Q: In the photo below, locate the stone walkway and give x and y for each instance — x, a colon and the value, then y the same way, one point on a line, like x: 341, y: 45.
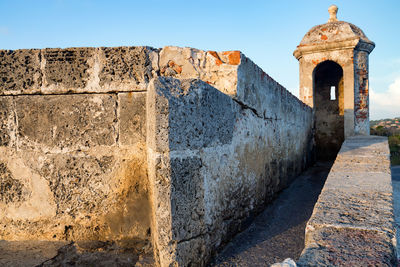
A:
x: 278, y: 232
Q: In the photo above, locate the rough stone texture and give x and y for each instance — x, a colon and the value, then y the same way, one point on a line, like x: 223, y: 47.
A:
x: 353, y: 221
x: 132, y: 118
x: 66, y: 122
x: 187, y: 198
x: 96, y: 195
x: 77, y: 70
x: 197, y: 112
x: 61, y: 253
x: 28, y: 253
x: 218, y: 69
x: 180, y: 114
x: 278, y: 232
x: 20, y: 71
x: 67, y: 174
x: 348, y: 247
x: 97, y: 160
x: 190, y: 127
x: 11, y: 190
x: 332, y: 32
x: 361, y: 85
x: 66, y: 68
x: 74, y: 181
x: 126, y: 68
x: 7, y: 122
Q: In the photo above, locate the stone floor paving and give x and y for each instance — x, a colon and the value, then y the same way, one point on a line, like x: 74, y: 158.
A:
x: 278, y: 232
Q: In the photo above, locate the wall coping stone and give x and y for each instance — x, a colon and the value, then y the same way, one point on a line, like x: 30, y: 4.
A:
x: 353, y: 220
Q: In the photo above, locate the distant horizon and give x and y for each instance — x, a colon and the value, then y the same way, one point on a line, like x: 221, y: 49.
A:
x: 387, y: 119
x: 266, y: 32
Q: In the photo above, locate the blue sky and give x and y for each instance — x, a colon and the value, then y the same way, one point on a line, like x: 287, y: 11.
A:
x: 266, y: 31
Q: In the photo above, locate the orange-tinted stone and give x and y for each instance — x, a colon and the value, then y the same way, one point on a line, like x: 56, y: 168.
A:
x: 218, y: 61
x: 171, y: 64
x: 324, y: 37
x: 233, y: 57
x: 177, y: 68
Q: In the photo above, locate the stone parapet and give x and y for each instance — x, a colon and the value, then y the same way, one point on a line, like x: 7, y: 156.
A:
x: 145, y: 149
x: 353, y: 220
x: 214, y: 161
x: 76, y: 70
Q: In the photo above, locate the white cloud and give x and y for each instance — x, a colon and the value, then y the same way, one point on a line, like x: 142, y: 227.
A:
x: 386, y: 104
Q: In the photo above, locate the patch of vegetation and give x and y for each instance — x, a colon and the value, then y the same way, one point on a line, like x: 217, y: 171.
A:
x: 394, y: 144
x: 391, y: 129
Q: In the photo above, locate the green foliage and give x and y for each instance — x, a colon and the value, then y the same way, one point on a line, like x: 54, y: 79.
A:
x: 393, y: 135
x: 394, y: 160
x: 394, y: 141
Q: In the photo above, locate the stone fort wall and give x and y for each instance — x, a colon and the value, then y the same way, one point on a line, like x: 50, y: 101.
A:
x: 166, y: 150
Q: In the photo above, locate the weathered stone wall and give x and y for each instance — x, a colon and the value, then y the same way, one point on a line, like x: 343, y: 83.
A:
x: 361, y: 92
x: 73, y: 145
x: 216, y: 162
x: 178, y: 146
x: 353, y: 220
x: 226, y: 156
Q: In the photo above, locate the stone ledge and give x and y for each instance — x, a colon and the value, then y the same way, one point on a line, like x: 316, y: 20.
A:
x: 353, y: 220
x: 331, y: 246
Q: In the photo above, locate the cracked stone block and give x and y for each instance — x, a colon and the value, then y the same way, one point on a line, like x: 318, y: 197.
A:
x: 20, y: 71
x: 67, y: 68
x: 66, y: 122
x: 132, y: 118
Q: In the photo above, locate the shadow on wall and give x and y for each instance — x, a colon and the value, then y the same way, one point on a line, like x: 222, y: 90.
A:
x: 278, y: 232
x: 217, y: 163
x: 189, y: 116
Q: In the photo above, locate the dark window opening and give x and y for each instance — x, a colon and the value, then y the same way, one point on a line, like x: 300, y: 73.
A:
x: 329, y: 109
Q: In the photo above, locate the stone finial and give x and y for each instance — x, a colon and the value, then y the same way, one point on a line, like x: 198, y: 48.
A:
x: 332, y: 13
